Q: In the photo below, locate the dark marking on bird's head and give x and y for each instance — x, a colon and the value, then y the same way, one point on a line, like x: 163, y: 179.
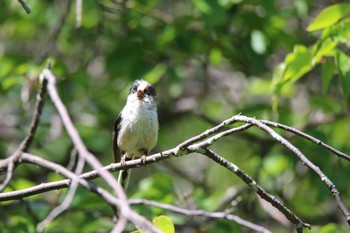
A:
x: 142, y: 88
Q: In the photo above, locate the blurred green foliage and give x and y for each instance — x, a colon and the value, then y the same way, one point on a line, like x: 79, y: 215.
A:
x: 286, y: 61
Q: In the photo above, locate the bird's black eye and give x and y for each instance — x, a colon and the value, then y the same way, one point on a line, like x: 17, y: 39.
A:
x: 134, y: 86
x: 150, y: 91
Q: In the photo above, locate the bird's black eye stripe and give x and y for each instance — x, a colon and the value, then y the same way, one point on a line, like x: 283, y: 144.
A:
x: 150, y: 91
x: 134, y: 86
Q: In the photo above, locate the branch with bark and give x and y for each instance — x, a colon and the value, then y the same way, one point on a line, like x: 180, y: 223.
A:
x: 198, y: 144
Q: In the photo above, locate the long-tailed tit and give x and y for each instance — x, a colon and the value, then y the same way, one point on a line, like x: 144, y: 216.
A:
x: 135, y: 130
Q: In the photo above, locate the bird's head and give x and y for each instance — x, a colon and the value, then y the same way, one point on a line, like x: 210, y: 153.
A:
x: 143, y: 91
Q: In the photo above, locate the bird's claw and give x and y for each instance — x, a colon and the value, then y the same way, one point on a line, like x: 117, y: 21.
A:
x: 122, y: 163
x: 143, y: 159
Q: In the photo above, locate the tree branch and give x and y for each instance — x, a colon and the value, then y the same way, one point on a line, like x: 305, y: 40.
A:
x: 10, y: 162
x: 67, y: 200
x: 197, y: 143
x: 305, y: 161
x: 25, y: 6
x: 90, y: 158
x: 216, y: 215
x: 252, y: 184
x: 308, y: 137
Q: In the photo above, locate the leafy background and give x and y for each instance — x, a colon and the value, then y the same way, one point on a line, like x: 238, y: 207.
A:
x: 285, y: 61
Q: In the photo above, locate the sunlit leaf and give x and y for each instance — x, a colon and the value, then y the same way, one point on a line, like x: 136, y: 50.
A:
x: 156, y: 73
x: 275, y: 164
x: 324, y: 48
x: 330, y: 16
x: 202, y: 6
x: 343, y: 63
x: 296, y: 65
x: 215, y: 56
x: 327, y: 74
x: 164, y: 224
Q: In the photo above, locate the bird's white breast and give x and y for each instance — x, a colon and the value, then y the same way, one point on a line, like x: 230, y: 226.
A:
x: 139, y: 127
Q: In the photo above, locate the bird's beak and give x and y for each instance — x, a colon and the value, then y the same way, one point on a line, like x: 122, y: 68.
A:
x: 140, y: 94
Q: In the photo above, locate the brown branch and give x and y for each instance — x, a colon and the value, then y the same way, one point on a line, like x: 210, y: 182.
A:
x: 67, y: 200
x: 10, y: 162
x: 109, y: 197
x: 332, y: 188
x: 25, y: 6
x: 203, y: 213
x: 308, y: 137
x: 90, y: 158
x: 45, y: 187
x: 252, y: 184
x: 219, y: 128
x: 198, y: 143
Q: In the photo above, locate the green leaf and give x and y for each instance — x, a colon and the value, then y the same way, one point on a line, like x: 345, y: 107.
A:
x: 323, y: 48
x: 296, y: 65
x: 164, y: 224
x: 202, y: 6
x: 339, y: 32
x: 330, y: 16
x: 275, y: 164
x: 215, y: 56
x: 343, y: 64
x: 327, y: 74
x: 156, y: 73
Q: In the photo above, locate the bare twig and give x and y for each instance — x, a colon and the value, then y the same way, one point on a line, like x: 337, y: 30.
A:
x: 109, y: 197
x: 91, y: 159
x: 198, y: 144
x: 45, y: 187
x: 303, y: 158
x: 27, y: 141
x: 67, y: 201
x: 36, y: 117
x: 310, y: 138
x: 25, y: 6
x: 259, y: 190
x: 207, y: 133
x: 203, y: 213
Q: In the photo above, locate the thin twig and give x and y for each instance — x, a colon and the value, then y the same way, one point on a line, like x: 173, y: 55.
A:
x: 332, y: 188
x: 211, y: 140
x: 199, y: 144
x: 36, y: 117
x: 45, y: 187
x: 252, y: 183
x: 28, y: 140
x: 67, y: 200
x: 109, y: 197
x: 25, y: 6
x: 203, y: 213
x: 308, y: 137
x: 124, y: 208
x: 207, y: 133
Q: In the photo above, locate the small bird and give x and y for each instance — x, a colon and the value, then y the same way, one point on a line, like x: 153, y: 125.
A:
x: 135, y: 130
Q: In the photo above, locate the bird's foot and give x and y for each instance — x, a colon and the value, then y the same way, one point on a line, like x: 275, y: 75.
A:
x: 143, y: 159
x: 122, y: 162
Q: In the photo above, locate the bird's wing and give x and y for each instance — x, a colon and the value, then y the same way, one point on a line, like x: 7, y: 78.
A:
x: 116, y: 128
